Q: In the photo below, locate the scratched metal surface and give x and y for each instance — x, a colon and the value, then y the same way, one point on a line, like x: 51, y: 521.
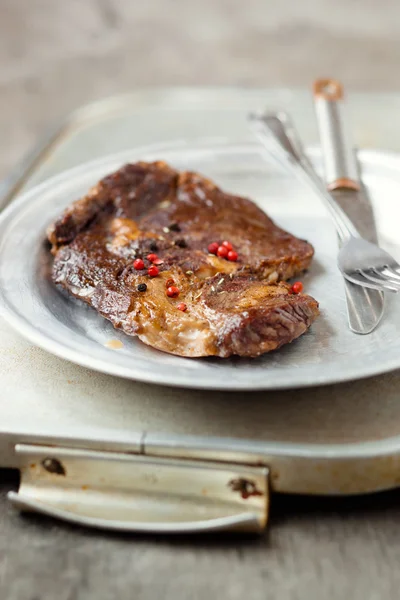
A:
x: 53, y: 396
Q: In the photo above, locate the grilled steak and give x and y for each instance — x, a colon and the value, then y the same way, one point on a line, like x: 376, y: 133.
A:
x: 225, y: 307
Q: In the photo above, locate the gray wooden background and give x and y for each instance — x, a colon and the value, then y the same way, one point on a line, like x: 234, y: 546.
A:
x: 58, y: 54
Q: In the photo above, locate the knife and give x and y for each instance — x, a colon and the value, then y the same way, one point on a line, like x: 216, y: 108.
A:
x: 365, y: 306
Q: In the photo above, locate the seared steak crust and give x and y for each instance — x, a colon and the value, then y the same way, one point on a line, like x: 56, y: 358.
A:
x: 232, y: 307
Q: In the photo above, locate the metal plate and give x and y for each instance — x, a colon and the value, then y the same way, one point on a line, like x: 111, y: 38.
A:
x: 329, y: 353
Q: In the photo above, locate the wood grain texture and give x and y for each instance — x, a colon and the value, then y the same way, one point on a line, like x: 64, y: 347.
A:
x: 57, y: 55
x: 316, y: 549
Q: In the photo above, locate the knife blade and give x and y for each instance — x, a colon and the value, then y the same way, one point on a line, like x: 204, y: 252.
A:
x: 365, y: 307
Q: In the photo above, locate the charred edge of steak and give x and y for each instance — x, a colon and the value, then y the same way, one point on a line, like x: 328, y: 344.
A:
x: 133, y: 189
x: 266, y: 330
x: 250, y: 324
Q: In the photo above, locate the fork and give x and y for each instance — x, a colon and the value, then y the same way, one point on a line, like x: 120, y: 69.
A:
x: 360, y: 261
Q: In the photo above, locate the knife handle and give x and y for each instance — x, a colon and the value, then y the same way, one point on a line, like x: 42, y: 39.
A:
x: 337, y: 148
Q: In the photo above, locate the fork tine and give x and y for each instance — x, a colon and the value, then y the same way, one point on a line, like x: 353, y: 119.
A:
x: 360, y: 279
x: 391, y: 272
x: 386, y: 274
x: 377, y: 277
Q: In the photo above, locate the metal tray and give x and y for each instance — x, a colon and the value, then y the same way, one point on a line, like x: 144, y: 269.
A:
x: 108, y: 452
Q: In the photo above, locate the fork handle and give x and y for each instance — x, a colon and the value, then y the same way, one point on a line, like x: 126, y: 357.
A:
x: 270, y: 130
x: 341, y: 170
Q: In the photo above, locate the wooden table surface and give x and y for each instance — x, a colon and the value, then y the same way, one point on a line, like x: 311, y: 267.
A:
x: 316, y: 549
x: 57, y: 55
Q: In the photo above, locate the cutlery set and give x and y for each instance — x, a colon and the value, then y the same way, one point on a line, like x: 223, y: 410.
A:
x: 367, y: 269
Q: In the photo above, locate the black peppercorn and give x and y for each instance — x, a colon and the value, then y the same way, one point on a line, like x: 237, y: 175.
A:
x: 174, y: 227
x: 142, y: 287
x: 181, y: 243
x: 153, y: 247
